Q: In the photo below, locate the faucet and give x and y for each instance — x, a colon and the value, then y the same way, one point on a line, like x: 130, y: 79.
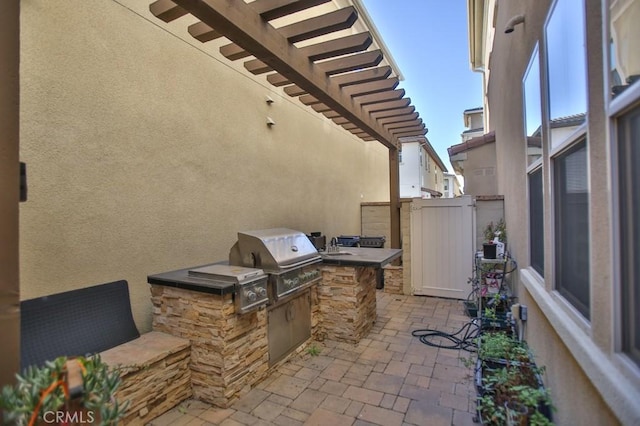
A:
x: 333, y: 245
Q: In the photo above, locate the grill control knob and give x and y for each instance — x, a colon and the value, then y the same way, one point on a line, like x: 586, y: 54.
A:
x: 261, y: 291
x: 251, y: 296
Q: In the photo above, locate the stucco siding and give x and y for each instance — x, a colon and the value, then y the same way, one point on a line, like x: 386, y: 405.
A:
x: 148, y: 151
x: 587, y: 382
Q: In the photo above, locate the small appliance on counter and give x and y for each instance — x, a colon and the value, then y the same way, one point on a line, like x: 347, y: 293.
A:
x: 318, y: 240
x: 348, y: 240
x: 250, y: 283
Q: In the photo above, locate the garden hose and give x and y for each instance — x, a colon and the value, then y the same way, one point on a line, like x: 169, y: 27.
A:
x: 464, y: 339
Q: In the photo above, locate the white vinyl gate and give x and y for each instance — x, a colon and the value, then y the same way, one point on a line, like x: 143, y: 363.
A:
x: 442, y: 246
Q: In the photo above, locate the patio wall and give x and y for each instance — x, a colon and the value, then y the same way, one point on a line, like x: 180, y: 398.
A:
x: 587, y: 380
x: 148, y: 151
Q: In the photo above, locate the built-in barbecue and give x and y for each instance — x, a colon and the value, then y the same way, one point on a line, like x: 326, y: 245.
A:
x: 291, y: 262
x: 244, y: 315
x: 287, y: 256
x: 250, y: 284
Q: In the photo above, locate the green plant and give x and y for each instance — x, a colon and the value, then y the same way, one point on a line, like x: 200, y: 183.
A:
x: 313, y: 350
x: 499, y: 345
x: 513, y: 386
x: 490, y: 231
x: 45, y: 392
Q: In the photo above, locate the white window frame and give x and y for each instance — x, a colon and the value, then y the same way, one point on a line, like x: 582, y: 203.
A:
x: 614, y: 109
x: 549, y: 162
x: 539, y: 163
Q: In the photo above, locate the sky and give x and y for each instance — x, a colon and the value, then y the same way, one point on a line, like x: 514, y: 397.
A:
x: 429, y: 43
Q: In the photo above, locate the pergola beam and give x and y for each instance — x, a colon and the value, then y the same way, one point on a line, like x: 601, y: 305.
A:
x: 245, y: 27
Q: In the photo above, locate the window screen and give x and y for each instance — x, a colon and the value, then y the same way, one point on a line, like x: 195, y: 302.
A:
x: 572, y: 226
x: 536, y: 224
x: 629, y: 176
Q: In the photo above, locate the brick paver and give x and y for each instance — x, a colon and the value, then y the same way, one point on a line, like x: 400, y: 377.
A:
x: 389, y: 378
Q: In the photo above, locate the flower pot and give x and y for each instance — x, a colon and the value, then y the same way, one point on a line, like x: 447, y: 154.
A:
x: 517, y: 414
x: 486, y: 390
x: 471, y: 308
x: 489, y: 251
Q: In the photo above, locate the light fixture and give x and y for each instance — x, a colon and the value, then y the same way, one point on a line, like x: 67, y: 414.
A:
x: 270, y: 122
x: 518, y: 19
x: 269, y: 100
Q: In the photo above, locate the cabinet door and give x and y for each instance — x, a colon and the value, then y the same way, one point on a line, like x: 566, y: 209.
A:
x: 289, y: 326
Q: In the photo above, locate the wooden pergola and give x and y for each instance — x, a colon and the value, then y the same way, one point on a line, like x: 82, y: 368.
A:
x: 339, y: 78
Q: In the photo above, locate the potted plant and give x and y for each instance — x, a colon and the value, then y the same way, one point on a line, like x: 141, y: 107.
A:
x: 495, y: 313
x: 514, y: 395
x: 502, y: 348
x: 69, y: 392
x: 490, y: 233
x: 509, y: 383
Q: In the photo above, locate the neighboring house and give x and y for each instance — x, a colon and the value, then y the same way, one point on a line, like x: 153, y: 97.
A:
x: 475, y: 160
x: 571, y: 188
x: 421, y: 169
x: 451, y: 187
x: 474, y: 122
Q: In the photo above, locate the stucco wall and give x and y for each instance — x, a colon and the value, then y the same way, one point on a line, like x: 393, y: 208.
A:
x: 148, y: 151
x: 480, y: 173
x: 578, y: 355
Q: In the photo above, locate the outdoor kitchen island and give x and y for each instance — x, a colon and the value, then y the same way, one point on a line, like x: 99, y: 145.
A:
x: 330, y: 296
x: 347, y: 291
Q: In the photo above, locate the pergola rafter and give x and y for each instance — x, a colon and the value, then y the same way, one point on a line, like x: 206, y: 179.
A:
x: 340, y: 77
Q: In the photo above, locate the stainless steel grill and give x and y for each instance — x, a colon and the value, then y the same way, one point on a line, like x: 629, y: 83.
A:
x: 291, y: 263
x: 287, y: 256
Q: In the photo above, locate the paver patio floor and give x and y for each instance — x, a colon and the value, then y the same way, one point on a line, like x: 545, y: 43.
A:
x: 389, y: 378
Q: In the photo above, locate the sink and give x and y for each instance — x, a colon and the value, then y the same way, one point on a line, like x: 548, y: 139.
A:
x: 335, y: 253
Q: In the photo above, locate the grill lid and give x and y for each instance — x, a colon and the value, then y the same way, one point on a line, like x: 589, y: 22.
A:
x: 273, y: 249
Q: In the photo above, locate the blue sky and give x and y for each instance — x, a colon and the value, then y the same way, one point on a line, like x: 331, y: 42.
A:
x: 428, y: 41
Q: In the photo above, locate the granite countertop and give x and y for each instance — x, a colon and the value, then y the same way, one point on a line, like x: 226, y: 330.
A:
x: 181, y: 279
x: 347, y: 256
x: 361, y: 256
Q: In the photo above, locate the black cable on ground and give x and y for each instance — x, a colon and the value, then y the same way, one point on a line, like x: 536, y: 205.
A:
x: 464, y: 339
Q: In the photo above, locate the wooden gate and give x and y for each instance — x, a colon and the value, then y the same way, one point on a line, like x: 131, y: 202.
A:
x: 442, y: 246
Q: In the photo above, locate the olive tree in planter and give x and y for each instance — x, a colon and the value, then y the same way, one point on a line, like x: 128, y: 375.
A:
x: 43, y: 395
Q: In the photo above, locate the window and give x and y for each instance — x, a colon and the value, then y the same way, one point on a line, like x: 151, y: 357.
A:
x: 624, y: 61
x: 567, y: 77
x: 536, y: 222
x: 567, y: 106
x: 533, y: 138
x: 533, y: 109
x: 624, y: 82
x: 572, y: 226
x: 629, y: 178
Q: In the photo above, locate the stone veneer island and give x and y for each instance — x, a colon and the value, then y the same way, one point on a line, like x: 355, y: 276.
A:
x: 229, y: 352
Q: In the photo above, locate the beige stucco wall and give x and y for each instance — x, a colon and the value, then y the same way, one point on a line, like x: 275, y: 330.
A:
x: 148, y: 151
x: 588, y: 385
x: 479, y: 170
x: 376, y: 220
